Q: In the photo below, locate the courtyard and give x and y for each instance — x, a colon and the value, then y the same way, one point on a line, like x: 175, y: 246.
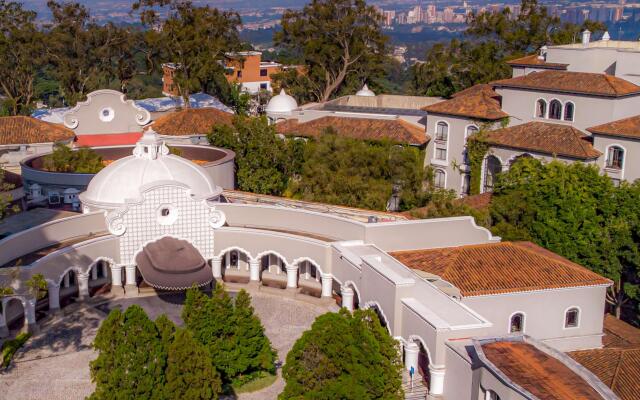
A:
x: 54, y: 364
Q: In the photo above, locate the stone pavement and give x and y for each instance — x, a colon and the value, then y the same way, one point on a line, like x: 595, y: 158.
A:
x: 55, y: 363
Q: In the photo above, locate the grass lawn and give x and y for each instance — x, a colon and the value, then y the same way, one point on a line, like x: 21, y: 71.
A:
x: 261, y: 382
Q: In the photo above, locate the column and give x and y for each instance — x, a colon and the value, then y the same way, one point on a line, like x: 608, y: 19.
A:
x: 254, y: 270
x: 347, y: 297
x: 216, y: 267
x: 292, y: 276
x: 131, y: 286
x: 116, y: 279
x: 94, y: 272
x: 83, y: 286
x: 327, y: 285
x: 411, y: 352
x: 30, y: 315
x: 436, y: 375
x: 54, y: 297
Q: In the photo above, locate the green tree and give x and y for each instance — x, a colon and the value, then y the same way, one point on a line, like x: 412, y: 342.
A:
x: 576, y: 212
x: 263, y: 165
x: 491, y: 40
x: 166, y: 329
x: 340, y: 42
x: 190, y: 374
x: 131, y: 360
x: 37, y: 286
x: 21, y: 46
x: 344, y: 356
x: 5, y: 197
x: 254, y: 351
x: 194, y: 38
x: 83, y: 161
x: 351, y: 172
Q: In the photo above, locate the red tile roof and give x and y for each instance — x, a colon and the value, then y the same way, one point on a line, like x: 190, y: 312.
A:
x: 191, y: 121
x: 396, y: 129
x: 537, y: 372
x: 572, y: 82
x: 503, y: 267
x: 617, y: 365
x: 113, y: 139
x: 27, y: 130
x: 533, y: 61
x: 546, y: 138
x: 479, y: 102
x: 628, y: 127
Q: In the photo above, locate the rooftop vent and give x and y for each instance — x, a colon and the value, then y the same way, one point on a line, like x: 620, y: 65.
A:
x: 606, y: 36
x: 586, y: 37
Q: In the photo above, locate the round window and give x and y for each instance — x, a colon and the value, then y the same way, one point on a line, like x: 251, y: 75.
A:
x: 106, y: 114
x: 167, y: 214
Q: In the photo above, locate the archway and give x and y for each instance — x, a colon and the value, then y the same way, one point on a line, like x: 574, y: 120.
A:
x: 375, y: 306
x: 69, y: 289
x: 235, y: 265
x: 349, y: 296
x: 417, y: 355
x: 309, y: 278
x: 492, y: 167
x: 99, y: 277
x: 273, y: 270
x: 13, y: 312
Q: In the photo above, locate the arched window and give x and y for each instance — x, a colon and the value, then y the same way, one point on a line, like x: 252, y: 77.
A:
x: 572, y: 318
x: 491, y: 170
x: 615, y: 157
x: 439, y: 178
x: 521, y: 156
x: 555, y: 110
x: 516, y: 325
x: 541, y: 109
x: 568, y: 111
x: 442, y: 131
x: 471, y: 130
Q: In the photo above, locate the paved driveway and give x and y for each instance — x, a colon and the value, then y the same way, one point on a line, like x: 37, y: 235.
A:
x: 55, y: 364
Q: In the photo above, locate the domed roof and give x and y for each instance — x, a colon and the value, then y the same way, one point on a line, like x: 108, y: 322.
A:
x: 365, y: 92
x: 282, y: 103
x: 151, y: 162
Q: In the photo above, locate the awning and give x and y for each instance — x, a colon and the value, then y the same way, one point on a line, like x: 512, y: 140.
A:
x: 173, y: 264
x: 108, y: 139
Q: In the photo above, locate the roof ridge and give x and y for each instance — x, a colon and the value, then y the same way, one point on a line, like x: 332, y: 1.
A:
x: 618, y: 367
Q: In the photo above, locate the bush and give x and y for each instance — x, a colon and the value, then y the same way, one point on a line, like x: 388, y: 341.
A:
x: 82, y: 161
x: 10, y: 347
x: 344, y: 356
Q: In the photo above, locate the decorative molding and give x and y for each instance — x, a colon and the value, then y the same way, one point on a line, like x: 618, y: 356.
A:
x: 71, y: 121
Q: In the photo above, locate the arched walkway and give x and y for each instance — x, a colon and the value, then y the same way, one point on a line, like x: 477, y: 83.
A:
x: 235, y: 265
x: 273, y: 270
x: 12, y: 316
x: 69, y: 287
x: 309, y: 278
x: 349, y: 296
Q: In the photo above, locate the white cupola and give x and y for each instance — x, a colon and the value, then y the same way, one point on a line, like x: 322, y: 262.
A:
x: 365, y: 92
x: 281, y: 103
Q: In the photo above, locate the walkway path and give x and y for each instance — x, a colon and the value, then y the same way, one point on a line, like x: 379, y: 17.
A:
x: 55, y: 363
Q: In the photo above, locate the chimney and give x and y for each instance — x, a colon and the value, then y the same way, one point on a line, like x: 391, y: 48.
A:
x: 586, y: 37
x: 606, y: 37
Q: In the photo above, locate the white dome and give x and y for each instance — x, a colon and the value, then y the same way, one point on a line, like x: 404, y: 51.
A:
x: 365, y: 92
x: 282, y: 103
x: 150, y: 162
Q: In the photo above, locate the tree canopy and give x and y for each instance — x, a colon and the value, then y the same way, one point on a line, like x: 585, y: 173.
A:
x: 573, y: 210
x: 339, y: 42
x: 344, y: 356
x: 64, y: 159
x: 490, y: 40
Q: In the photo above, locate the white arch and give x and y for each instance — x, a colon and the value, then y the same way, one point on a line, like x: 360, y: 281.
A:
x: 564, y: 317
x: 259, y: 256
x: 535, y: 108
x: 372, y: 304
x: 298, y: 260
x: 624, y: 157
x: 511, y: 159
x: 446, y: 160
x: 524, y: 322
x: 353, y: 286
x: 73, y: 268
x: 564, y: 110
x: 444, y: 171
x: 414, y: 338
x: 561, y: 109
x: 484, y: 168
x: 235, y: 248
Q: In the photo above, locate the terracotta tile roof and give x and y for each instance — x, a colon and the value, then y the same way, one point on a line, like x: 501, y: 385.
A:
x: 572, y: 82
x: 193, y: 121
x: 478, y: 101
x: 537, y: 372
x: 26, y: 130
x: 533, y: 61
x: 547, y: 138
x: 396, y: 129
x: 503, y: 267
x: 108, y: 139
x: 617, y: 365
x: 628, y: 127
